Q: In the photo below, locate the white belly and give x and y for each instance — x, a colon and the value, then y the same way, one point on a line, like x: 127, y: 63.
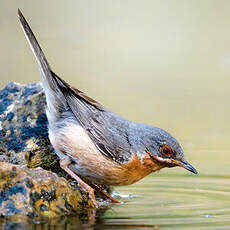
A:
x: 73, y: 141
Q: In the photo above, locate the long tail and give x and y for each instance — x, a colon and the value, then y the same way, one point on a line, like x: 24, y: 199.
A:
x: 38, y: 53
x: 54, y: 97
x: 60, y: 96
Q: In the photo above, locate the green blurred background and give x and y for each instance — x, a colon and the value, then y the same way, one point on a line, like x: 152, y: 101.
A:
x: 165, y: 63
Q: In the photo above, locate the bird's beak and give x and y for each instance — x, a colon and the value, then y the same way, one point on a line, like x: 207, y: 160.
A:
x: 185, y: 165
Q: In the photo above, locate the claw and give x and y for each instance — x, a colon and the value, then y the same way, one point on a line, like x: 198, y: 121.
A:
x: 64, y: 163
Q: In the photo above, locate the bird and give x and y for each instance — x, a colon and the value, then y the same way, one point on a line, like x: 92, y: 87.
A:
x: 95, y: 144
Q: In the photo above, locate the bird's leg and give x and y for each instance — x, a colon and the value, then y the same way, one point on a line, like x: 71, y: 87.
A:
x: 106, y: 194
x: 64, y: 163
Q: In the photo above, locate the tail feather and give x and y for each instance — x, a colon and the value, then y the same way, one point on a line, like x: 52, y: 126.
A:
x: 54, y: 97
x: 60, y: 96
x: 38, y: 53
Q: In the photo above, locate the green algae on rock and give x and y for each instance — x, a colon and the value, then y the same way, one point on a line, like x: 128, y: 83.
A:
x: 35, y: 192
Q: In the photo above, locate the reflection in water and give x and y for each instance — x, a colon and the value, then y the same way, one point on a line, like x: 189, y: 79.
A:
x: 86, y: 220
x: 161, y: 201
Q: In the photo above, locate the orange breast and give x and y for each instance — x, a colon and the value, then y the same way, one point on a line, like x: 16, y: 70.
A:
x: 132, y: 171
x: 89, y: 163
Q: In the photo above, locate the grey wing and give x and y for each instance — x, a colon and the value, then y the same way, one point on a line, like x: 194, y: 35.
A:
x: 107, y: 130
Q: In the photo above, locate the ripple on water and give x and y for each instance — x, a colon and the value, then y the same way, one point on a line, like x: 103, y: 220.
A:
x: 174, y: 201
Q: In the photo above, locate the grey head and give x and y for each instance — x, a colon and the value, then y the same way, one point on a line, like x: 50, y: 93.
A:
x: 161, y: 146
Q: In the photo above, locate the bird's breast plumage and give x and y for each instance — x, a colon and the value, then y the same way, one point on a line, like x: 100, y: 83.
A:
x: 88, y: 162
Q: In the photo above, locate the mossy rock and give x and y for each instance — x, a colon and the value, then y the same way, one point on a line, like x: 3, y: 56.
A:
x: 35, y: 192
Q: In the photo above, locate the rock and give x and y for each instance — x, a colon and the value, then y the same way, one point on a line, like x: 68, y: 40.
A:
x: 26, y: 185
x: 33, y: 192
x: 23, y: 126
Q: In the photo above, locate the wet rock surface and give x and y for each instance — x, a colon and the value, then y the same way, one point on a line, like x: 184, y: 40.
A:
x: 27, y: 185
x: 36, y: 191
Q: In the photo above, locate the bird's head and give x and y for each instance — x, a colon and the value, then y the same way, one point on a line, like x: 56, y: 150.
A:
x: 165, y: 149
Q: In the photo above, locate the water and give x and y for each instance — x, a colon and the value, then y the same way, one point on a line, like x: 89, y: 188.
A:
x: 160, y: 62
x: 163, y: 201
x: 174, y: 201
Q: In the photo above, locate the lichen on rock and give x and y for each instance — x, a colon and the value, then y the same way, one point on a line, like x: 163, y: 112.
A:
x: 34, y: 192
x: 23, y: 126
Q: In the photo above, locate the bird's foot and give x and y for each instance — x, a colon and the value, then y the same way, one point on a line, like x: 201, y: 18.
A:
x: 114, y: 200
x: 64, y: 163
x: 92, y: 197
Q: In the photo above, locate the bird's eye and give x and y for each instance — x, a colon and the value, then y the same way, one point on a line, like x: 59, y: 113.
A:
x: 166, y: 150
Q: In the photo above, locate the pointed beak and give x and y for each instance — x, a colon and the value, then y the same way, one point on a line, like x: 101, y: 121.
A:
x: 185, y: 165
x: 189, y: 167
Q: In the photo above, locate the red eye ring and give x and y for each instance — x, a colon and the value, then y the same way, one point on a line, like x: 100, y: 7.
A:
x: 166, y: 150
